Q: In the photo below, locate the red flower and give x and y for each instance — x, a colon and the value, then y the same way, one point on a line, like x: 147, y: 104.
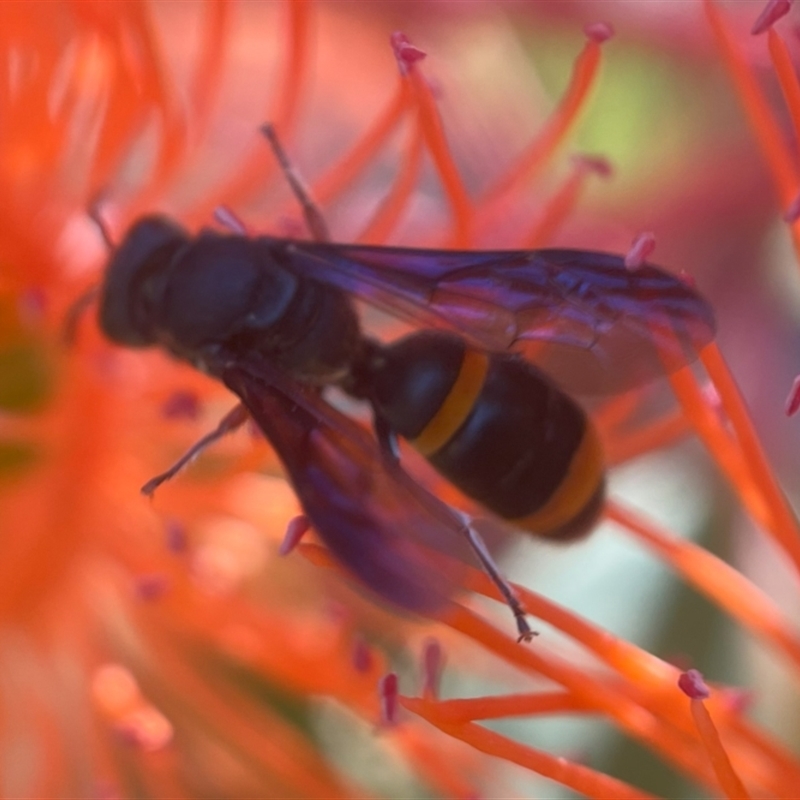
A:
x: 163, y: 647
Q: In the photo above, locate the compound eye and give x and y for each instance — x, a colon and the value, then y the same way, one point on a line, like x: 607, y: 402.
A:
x: 133, y: 277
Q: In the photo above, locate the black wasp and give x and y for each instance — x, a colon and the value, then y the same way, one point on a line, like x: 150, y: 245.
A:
x: 275, y: 321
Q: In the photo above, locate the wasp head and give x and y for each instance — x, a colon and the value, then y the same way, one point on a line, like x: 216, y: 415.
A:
x: 134, y: 280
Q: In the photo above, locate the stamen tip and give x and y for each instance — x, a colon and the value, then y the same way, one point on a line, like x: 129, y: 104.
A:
x: 295, y: 530
x: 687, y: 278
x: 599, y: 32
x: 177, y: 541
x: 432, y: 661
x: 151, y: 587
x: 643, y: 245
x: 388, y: 691
x: 181, y: 404
x: 773, y: 11
x: 691, y: 683
x: 406, y: 53
x: 362, y: 656
x: 597, y: 164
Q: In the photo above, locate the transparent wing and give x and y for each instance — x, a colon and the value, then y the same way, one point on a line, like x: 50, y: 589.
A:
x: 593, y: 324
x: 377, y: 521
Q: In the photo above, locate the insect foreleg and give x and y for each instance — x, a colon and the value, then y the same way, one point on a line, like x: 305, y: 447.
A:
x: 233, y: 420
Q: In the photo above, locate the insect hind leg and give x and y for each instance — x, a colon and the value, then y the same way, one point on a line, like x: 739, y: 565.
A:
x: 526, y: 633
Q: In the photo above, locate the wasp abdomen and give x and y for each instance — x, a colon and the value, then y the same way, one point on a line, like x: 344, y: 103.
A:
x: 497, y: 428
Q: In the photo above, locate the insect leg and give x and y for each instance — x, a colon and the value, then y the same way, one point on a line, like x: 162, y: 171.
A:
x: 457, y: 519
x: 492, y: 570
x: 95, y: 214
x: 387, y: 438
x: 313, y: 216
x: 228, y: 219
x: 233, y: 420
x: 75, y: 312
x: 81, y: 305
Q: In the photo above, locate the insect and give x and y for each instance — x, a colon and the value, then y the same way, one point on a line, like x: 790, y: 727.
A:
x: 274, y: 319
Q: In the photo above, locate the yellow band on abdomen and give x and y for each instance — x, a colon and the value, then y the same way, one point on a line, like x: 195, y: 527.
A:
x: 581, y: 484
x: 456, y: 406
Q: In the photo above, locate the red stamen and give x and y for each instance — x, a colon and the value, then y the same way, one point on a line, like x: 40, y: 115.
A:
x: 396, y: 201
x: 556, y: 129
x: 773, y: 11
x: 711, y: 397
x: 432, y: 132
x: 784, y: 67
x: 259, y: 166
x: 692, y: 683
x: 782, y: 522
x: 210, y: 66
x: 561, y: 205
x: 768, y: 131
x: 348, y: 167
